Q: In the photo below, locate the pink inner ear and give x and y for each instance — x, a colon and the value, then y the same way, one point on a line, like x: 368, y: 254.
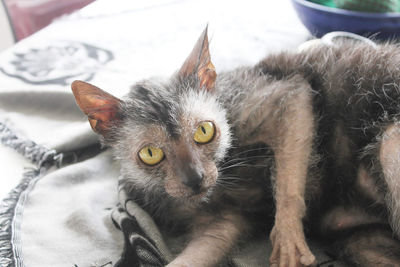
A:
x: 101, y: 107
x: 207, y: 76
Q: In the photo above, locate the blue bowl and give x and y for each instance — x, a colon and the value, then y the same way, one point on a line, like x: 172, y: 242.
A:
x: 320, y: 20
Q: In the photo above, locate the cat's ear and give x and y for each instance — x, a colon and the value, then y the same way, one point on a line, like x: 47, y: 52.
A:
x: 199, y: 63
x: 102, y: 109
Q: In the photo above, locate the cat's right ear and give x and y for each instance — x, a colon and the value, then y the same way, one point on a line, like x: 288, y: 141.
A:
x: 199, y: 63
x: 102, y: 108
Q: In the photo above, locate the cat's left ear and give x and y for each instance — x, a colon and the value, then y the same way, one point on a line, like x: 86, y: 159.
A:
x: 199, y: 63
x: 102, y: 108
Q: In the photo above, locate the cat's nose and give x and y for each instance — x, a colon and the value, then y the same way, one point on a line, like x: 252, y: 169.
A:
x: 193, y: 179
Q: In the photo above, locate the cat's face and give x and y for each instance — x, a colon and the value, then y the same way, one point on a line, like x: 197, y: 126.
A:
x: 168, y: 136
x: 174, y: 146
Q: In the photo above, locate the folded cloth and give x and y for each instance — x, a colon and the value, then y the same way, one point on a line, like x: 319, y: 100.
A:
x: 139, y: 249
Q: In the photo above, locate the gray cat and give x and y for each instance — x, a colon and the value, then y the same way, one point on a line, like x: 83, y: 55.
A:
x: 309, y: 137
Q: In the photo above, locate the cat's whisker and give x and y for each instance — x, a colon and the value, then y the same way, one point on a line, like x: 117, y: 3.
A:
x: 248, y: 157
x: 240, y: 160
x: 228, y: 178
x: 244, y: 159
x: 226, y: 187
x: 230, y: 183
x: 251, y: 150
x: 243, y: 164
x: 225, y: 182
x: 230, y: 186
x: 231, y: 166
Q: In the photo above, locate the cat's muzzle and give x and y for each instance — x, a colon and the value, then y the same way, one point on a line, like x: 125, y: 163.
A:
x: 194, y: 181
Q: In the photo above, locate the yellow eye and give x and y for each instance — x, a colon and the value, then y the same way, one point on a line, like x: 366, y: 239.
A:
x: 151, y: 155
x: 204, y: 133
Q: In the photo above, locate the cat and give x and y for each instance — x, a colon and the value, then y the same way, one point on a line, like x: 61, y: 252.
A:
x: 303, y: 137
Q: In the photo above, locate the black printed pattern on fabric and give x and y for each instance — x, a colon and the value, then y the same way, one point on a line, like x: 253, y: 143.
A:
x: 139, y: 250
x: 59, y: 63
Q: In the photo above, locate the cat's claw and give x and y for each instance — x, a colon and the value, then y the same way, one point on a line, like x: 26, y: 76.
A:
x: 289, y: 247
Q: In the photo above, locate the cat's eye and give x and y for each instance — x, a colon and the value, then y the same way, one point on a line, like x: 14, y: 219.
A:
x: 204, y: 133
x: 151, y: 155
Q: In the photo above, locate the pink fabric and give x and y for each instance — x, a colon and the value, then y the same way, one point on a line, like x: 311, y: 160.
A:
x: 29, y: 16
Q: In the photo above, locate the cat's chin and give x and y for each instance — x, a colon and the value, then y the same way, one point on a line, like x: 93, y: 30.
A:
x: 195, y: 199
x: 198, y: 197
x: 191, y: 198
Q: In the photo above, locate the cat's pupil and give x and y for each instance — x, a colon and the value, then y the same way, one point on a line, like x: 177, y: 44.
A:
x: 203, y: 129
x: 150, y: 153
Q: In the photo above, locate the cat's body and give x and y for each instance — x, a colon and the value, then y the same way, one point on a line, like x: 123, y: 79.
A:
x: 214, y: 154
x: 356, y: 97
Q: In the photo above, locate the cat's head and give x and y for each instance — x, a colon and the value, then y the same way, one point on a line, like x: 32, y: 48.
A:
x: 168, y: 136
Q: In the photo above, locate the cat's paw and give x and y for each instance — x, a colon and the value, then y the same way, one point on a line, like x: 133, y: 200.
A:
x: 289, y: 247
x: 177, y: 264
x: 182, y: 261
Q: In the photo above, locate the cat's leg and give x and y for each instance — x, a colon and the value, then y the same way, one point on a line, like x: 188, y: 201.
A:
x: 359, y: 238
x: 389, y: 157
x: 368, y: 246
x: 283, y: 119
x: 212, y: 240
x: 292, y: 148
x: 280, y: 114
x: 357, y: 230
